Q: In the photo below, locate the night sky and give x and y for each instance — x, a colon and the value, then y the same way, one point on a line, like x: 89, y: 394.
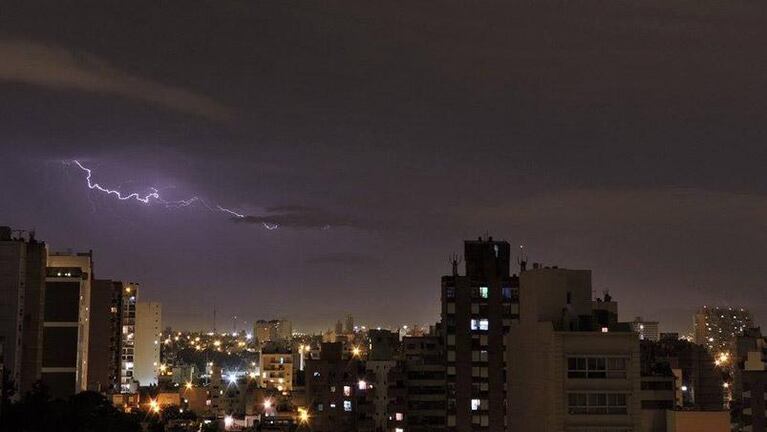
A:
x: 627, y: 137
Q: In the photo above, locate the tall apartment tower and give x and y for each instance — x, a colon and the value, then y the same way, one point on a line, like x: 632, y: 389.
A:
x: 22, y: 293
x: 127, y: 308
x: 66, y: 325
x: 112, y: 332
x: 147, y: 343
x: 477, y: 310
x: 103, y: 366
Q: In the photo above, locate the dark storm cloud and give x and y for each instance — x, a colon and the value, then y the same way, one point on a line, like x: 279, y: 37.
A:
x: 342, y: 258
x: 292, y: 216
x: 66, y: 69
x: 623, y: 136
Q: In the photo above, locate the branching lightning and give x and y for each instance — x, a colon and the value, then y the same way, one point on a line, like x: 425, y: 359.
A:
x: 153, y: 196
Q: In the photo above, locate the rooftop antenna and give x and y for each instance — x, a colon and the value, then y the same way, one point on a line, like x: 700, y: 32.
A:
x: 522, y: 259
x: 214, y: 318
x: 454, y: 261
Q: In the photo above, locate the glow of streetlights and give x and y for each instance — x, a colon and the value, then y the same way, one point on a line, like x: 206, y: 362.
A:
x: 303, y: 415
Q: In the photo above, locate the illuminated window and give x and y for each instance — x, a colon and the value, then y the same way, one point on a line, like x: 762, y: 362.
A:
x: 506, y: 293
x: 347, y: 406
x: 475, y: 404
x: 483, y: 324
x: 347, y: 391
x: 399, y: 416
x: 484, y: 291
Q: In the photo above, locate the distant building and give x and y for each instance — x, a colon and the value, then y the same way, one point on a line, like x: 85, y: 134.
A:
x: 66, y: 328
x: 146, y: 365
x: 22, y: 290
x: 273, y: 330
x: 349, y: 324
x: 571, y: 366
x: 477, y: 310
x: 647, y: 330
x: 717, y: 327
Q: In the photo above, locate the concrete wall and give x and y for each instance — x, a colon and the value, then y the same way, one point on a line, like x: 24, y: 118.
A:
x: 697, y: 421
x: 147, y: 345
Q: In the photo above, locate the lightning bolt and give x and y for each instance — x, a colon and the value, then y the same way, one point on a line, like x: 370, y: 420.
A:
x: 154, y: 196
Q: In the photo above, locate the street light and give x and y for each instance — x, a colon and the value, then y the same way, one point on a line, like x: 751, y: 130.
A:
x: 303, y: 415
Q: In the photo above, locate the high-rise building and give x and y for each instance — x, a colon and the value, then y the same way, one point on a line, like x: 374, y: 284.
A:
x: 127, y: 351
x: 66, y: 327
x: 103, y: 351
x: 717, y: 327
x: 571, y: 365
x: 477, y: 310
x: 647, y: 330
x: 146, y: 358
x: 382, y: 349
x: 417, y: 386
x: 22, y: 296
x: 112, y: 332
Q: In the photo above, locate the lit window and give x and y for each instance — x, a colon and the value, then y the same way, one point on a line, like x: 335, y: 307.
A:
x: 483, y: 292
x: 316, y: 374
x: 399, y: 416
x: 347, y: 406
x: 347, y: 391
x: 483, y: 324
x: 475, y: 404
x: 362, y: 385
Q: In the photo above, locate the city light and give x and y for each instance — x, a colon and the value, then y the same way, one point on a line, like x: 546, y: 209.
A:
x: 356, y: 351
x: 303, y: 415
x: 228, y: 421
x: 189, y: 385
x: 267, y: 404
x: 154, y: 406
